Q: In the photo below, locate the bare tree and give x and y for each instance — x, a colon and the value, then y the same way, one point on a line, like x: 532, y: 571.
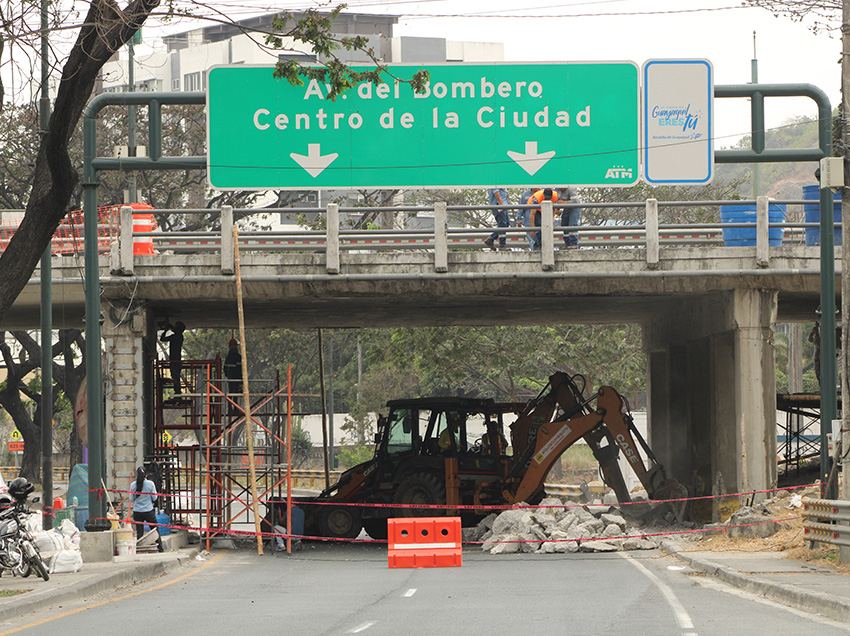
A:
x: 823, y: 14
x: 19, y: 393
x: 105, y: 28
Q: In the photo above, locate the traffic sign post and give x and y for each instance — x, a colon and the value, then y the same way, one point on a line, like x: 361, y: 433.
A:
x: 16, y: 445
x: 481, y: 125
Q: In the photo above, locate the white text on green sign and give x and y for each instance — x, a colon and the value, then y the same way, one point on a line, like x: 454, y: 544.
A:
x: 513, y: 125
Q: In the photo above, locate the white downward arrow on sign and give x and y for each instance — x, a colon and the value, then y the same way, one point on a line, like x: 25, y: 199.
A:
x: 314, y: 162
x: 530, y: 161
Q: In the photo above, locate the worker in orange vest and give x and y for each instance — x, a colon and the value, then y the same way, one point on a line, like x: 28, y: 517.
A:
x: 547, y: 194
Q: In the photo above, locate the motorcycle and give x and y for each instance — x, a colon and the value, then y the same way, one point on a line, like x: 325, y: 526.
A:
x: 18, y: 551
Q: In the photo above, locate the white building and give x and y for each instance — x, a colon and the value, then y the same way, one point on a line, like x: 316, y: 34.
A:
x: 187, y: 57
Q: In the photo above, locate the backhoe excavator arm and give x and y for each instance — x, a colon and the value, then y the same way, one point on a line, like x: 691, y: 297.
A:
x: 539, y: 442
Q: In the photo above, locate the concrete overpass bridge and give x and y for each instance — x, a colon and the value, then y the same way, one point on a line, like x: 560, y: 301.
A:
x: 708, y: 312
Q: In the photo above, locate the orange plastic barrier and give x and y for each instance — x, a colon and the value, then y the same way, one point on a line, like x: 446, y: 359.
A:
x: 424, y: 542
x: 143, y: 222
x: 69, y: 239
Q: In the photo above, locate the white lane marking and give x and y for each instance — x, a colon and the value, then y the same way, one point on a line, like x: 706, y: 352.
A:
x: 410, y: 592
x: 679, y: 611
x: 361, y: 628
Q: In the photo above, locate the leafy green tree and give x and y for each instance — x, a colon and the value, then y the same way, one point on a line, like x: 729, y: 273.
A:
x: 510, y: 363
x: 302, y: 445
x: 271, y: 351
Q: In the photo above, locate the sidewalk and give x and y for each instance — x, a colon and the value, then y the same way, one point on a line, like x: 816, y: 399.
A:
x: 92, y: 579
x: 804, y: 586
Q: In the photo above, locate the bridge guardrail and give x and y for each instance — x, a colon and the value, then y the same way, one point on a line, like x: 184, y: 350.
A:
x: 826, y: 521
x: 337, y: 239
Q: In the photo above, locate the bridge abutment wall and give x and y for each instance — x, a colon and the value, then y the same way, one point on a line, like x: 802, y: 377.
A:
x: 712, y: 392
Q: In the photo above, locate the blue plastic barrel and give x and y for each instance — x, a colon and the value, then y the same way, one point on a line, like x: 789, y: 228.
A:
x: 737, y: 236
x: 163, y: 520
x: 81, y: 515
x: 812, y: 212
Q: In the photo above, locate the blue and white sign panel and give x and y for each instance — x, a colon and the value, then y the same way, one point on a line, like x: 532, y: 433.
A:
x: 678, y: 122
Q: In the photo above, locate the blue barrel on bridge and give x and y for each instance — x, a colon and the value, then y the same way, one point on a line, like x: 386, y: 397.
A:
x: 812, y: 213
x: 738, y: 236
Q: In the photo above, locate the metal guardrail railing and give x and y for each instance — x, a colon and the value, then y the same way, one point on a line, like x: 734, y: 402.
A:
x: 60, y: 473
x: 443, y: 238
x: 826, y: 521
x: 316, y: 478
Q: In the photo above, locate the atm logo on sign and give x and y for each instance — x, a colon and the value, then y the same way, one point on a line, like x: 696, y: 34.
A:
x: 618, y: 172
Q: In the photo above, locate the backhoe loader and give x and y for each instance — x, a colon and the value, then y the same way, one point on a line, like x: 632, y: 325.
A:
x: 428, y: 461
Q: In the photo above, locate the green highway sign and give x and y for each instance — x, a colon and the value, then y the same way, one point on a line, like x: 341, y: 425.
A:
x: 476, y: 125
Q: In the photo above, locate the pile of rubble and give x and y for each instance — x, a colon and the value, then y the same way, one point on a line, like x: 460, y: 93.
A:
x: 555, y: 527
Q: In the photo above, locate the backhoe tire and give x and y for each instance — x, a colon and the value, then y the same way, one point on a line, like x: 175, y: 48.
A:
x: 339, y: 522
x: 376, y: 528
x: 420, y: 489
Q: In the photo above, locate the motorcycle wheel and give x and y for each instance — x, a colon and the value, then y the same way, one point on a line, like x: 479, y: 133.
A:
x: 33, y: 561
x: 39, y: 567
x: 25, y: 570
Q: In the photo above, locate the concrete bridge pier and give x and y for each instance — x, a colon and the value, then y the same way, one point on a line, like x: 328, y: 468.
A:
x: 712, y: 393
x: 128, y: 335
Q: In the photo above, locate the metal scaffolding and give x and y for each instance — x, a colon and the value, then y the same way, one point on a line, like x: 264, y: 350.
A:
x: 800, y: 439
x: 206, y: 479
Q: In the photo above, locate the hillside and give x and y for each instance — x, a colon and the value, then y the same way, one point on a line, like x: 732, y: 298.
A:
x: 778, y: 180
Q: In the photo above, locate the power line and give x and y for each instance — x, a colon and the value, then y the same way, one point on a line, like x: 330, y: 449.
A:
x: 511, y: 13
x: 638, y: 149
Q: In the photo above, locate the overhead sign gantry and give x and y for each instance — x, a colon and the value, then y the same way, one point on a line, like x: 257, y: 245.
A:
x: 475, y: 125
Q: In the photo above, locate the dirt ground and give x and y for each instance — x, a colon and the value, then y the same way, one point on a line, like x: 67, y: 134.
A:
x: 789, y: 540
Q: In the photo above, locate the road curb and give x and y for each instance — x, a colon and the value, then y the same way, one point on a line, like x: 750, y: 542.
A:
x: 826, y: 605
x: 38, y: 600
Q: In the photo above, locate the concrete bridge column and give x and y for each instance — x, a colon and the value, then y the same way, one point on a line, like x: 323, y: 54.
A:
x: 125, y: 392
x: 712, y: 393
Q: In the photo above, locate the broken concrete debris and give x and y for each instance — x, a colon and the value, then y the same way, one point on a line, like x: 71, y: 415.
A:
x: 753, y: 522
x: 554, y: 527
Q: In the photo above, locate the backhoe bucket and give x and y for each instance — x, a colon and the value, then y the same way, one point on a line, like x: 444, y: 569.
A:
x: 674, y: 493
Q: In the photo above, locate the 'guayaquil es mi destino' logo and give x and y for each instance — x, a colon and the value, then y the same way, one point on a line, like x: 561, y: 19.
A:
x: 618, y: 172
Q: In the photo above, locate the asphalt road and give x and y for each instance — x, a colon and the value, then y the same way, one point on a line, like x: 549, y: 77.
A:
x: 348, y: 589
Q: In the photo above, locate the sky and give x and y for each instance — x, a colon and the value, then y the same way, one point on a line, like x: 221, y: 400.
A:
x: 627, y: 30
x: 787, y: 52
x: 720, y: 31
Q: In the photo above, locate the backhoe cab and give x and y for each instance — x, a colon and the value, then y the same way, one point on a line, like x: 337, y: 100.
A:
x: 448, y: 456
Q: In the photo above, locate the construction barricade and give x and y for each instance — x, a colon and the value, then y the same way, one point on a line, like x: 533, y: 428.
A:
x: 142, y: 222
x: 424, y: 542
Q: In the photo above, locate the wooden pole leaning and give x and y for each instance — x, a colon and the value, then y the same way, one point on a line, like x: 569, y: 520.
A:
x: 246, y: 394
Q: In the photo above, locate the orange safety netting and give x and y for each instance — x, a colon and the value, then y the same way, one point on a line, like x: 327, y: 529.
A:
x: 68, y: 238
